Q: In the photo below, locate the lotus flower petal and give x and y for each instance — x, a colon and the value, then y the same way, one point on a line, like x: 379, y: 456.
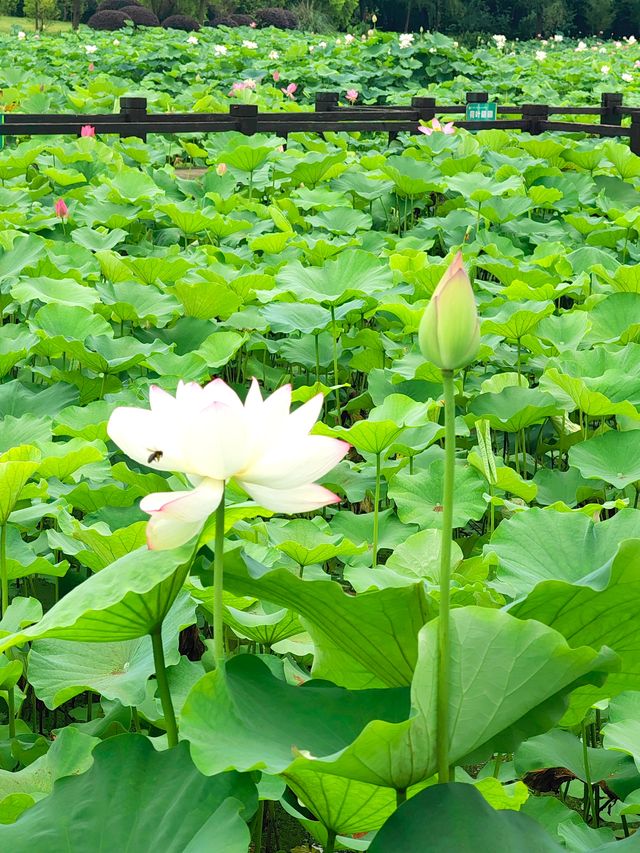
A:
x: 178, y: 516
x: 292, y: 463
x: 300, y: 499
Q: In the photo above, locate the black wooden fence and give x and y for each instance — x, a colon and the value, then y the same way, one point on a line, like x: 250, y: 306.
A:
x: 134, y: 120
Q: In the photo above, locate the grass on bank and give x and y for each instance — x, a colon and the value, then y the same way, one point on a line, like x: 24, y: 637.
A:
x: 28, y: 25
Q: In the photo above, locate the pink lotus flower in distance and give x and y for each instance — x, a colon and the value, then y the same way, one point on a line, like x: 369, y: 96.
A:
x: 92, y: 67
x: 61, y: 208
x: 211, y: 436
x: 436, y: 127
x: 87, y: 130
x: 352, y: 95
x: 221, y: 169
x: 290, y: 90
x: 276, y: 76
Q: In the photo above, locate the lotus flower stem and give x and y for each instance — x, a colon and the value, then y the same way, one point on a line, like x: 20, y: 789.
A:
x: 163, y: 687
x: 330, y: 846
x: 334, y: 334
x: 587, y: 775
x: 12, y: 712
x: 376, y: 512
x: 218, y: 586
x: 4, y: 578
x: 442, y: 740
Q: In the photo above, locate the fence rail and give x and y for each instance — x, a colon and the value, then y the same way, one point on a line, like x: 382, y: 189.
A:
x: 134, y: 120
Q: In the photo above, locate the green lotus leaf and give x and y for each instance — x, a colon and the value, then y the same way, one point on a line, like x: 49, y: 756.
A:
x: 455, y: 817
x: 543, y: 545
x: 137, y: 793
x: 513, y: 409
x: 612, y: 457
x: 419, y: 496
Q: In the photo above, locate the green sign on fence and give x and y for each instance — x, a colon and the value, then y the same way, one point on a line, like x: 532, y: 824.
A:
x: 482, y: 112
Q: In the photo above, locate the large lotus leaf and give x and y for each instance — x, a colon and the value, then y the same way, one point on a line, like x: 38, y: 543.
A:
x: 133, y: 185
x: 616, y: 315
x: 348, y: 808
x: 309, y: 541
x: 514, y: 320
x: 575, y: 393
x: 25, y: 252
x: 61, y: 291
x: 419, y: 496
x: 622, y: 732
x: 568, y: 827
x: 513, y: 409
x: 613, y: 457
x: 601, y: 607
x: 366, y: 436
x: 541, y: 545
x: 61, y: 669
x: 70, y: 753
x: 22, y: 559
x: 493, y: 655
x: 352, y: 274
x: 262, y: 723
x: 16, y: 466
x: 125, y: 601
x: 376, y: 644
x: 287, y: 317
x: 261, y: 625
x: 61, y: 458
x: 559, y: 748
x: 106, y: 548
x: 135, y: 798
x: 15, y: 342
x: 455, y: 818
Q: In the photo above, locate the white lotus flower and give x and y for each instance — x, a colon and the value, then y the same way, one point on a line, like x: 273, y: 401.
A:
x: 211, y: 436
x: 273, y: 54
x: 192, y: 40
x: 22, y: 35
x: 250, y: 45
x: 90, y: 48
x: 628, y: 78
x: 220, y: 49
x: 605, y: 70
x: 541, y: 55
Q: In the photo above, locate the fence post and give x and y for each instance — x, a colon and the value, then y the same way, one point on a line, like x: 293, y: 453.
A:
x: 326, y: 101
x: 247, y: 116
x: 133, y: 110
x: 476, y: 97
x: 611, y: 103
x: 533, y: 115
x: 634, y: 135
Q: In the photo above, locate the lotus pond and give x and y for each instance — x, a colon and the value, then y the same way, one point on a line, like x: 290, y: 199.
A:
x: 126, y: 719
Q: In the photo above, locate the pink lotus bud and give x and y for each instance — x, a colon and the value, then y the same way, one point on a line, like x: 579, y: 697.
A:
x: 352, y: 95
x: 221, y: 169
x: 253, y: 25
x: 87, y: 130
x: 92, y: 67
x: 276, y: 76
x: 61, y: 208
x: 290, y: 90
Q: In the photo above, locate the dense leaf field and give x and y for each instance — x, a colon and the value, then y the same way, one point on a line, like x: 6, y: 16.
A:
x: 128, y: 267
